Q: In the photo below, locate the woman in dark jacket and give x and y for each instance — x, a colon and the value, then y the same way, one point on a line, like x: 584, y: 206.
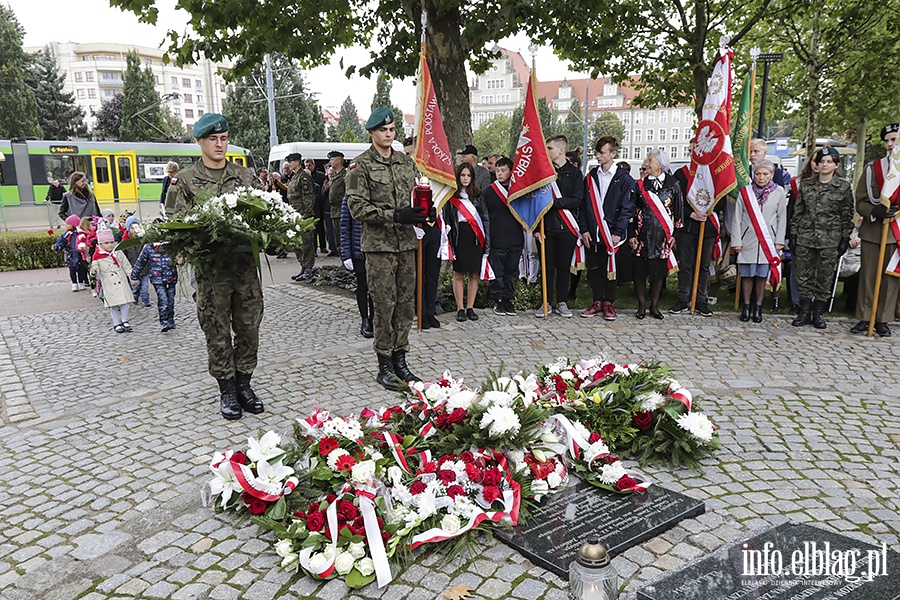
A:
x: 354, y: 260
x: 469, y: 239
x: 648, y: 239
x: 79, y: 200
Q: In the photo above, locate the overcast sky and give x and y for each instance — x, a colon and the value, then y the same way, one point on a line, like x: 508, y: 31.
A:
x: 86, y: 21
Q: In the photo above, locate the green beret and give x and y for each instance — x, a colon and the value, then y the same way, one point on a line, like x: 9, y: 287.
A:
x: 293, y: 156
x: 379, y: 118
x: 827, y: 151
x: 208, y: 124
x: 335, y: 154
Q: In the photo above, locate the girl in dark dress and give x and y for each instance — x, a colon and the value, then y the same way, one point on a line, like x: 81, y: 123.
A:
x: 648, y: 239
x: 468, y: 238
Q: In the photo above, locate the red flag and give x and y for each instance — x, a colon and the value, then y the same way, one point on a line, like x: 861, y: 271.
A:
x: 530, y: 191
x: 433, y: 156
x: 711, y: 174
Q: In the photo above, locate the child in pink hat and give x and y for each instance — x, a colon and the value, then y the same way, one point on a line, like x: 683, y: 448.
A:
x: 113, y: 268
x: 68, y: 243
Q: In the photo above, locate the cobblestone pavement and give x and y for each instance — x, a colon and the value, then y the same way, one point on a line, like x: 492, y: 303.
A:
x: 108, y: 437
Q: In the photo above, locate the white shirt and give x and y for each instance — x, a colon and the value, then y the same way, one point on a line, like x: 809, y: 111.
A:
x: 605, y: 178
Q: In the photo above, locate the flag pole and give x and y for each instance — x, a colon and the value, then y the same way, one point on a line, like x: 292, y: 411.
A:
x: 878, y: 275
x: 737, y: 289
x: 697, y: 266
x: 419, y: 250
x: 543, y: 271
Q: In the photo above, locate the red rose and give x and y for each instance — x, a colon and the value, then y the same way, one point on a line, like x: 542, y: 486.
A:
x: 361, y: 530
x: 380, y: 522
x: 457, y: 416
x: 492, y: 476
x: 490, y: 493
x: 346, y: 511
x: 299, y: 514
x: 560, y: 384
x: 429, y: 466
x: 625, y: 483
x: 329, y: 498
x: 446, y: 476
x: 417, y: 487
x: 359, y: 521
x: 257, y: 506
x: 643, y: 420
x: 607, y: 369
x: 445, y: 458
x: 345, y: 463
x: 455, y: 490
x: 315, y: 521
x: 239, y: 458
x: 467, y: 457
x: 594, y: 438
x: 442, y: 421
x: 475, y: 474
x: 385, y: 536
x: 50, y: 232
x: 327, y: 445
x: 314, y: 507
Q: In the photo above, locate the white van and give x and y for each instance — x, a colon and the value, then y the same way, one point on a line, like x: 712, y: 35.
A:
x: 318, y: 151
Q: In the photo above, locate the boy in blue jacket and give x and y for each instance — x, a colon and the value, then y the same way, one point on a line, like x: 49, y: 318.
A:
x: 163, y: 276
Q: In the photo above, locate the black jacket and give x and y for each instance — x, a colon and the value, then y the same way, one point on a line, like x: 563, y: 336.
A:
x: 451, y: 217
x: 571, y: 188
x: 506, y: 232
x: 618, y: 205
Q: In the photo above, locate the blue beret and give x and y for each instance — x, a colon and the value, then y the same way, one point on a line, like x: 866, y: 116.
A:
x: 379, y: 118
x: 208, y: 124
x: 827, y: 151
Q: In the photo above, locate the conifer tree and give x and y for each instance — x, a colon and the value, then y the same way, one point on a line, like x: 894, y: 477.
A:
x: 138, y: 93
x: 18, y: 108
x: 60, y: 117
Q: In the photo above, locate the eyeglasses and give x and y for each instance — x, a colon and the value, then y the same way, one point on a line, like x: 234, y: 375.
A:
x: 644, y: 169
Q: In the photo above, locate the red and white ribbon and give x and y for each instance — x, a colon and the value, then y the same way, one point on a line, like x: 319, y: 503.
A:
x: 662, y: 215
x: 718, y: 247
x: 487, y: 273
x: 596, y: 203
x: 373, y: 535
x: 397, y: 450
x: 467, y: 210
x: 763, y: 233
x: 268, y: 492
x: 684, y: 396
x: 328, y: 568
x: 501, y: 192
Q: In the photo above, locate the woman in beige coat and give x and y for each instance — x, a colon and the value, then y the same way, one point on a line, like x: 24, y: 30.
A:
x: 753, y: 266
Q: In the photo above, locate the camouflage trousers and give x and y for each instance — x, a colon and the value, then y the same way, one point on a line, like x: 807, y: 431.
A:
x: 336, y: 222
x: 306, y: 253
x: 232, y: 301
x: 392, y: 282
x: 815, y: 268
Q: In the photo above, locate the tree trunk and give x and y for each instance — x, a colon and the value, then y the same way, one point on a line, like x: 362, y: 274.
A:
x: 859, y: 168
x: 699, y: 59
x: 813, y: 79
x: 447, y: 62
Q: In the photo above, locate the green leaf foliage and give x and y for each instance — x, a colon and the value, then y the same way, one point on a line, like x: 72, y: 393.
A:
x: 60, y: 117
x: 18, y: 107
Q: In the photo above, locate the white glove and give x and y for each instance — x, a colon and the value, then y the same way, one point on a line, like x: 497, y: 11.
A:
x: 348, y: 264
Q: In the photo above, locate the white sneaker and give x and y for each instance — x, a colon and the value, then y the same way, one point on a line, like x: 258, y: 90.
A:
x: 563, y: 310
x: 75, y: 287
x: 83, y: 286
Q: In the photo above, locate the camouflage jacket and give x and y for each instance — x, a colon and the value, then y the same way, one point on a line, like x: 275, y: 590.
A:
x: 301, y: 193
x: 823, y: 214
x: 376, y: 187
x: 338, y: 188
x: 200, y: 179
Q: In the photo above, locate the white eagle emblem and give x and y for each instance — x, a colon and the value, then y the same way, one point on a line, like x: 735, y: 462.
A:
x: 706, y: 141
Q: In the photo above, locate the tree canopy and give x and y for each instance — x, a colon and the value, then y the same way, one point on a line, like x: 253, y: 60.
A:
x: 19, y: 116
x: 348, y: 128
x: 383, y: 98
x: 142, y: 119
x: 108, y: 119
x: 492, y: 136
x: 59, y: 116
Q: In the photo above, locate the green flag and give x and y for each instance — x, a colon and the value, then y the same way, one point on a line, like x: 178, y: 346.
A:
x: 740, y: 136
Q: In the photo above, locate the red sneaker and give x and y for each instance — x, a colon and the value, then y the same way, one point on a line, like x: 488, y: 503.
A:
x: 609, y: 311
x: 593, y: 309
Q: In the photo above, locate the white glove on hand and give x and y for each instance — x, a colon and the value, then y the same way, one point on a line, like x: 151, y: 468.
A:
x: 348, y: 264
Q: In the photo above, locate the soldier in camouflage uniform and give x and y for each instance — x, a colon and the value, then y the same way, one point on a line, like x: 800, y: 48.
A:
x: 821, y: 226
x: 336, y: 192
x: 379, y: 188
x: 228, y: 299
x: 301, y: 195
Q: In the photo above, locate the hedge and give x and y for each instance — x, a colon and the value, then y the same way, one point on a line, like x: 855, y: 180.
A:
x: 20, y: 251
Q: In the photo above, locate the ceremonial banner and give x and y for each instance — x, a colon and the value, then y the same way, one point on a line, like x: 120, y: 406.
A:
x: 530, y: 191
x: 712, y: 173
x: 432, y: 156
x: 740, y: 137
x: 889, y: 191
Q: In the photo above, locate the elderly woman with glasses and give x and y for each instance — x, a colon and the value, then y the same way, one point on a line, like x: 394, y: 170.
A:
x: 652, y: 241
x: 753, y: 266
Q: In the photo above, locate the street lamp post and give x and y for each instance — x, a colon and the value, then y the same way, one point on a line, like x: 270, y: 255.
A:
x: 766, y: 59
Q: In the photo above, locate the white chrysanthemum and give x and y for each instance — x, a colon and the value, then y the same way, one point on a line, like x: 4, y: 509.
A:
x: 539, y: 487
x: 553, y: 480
x: 581, y: 430
x: 501, y: 420
x: 555, y: 367
x: 463, y: 507
x: 461, y: 399
x: 496, y: 398
x: 612, y: 473
x: 697, y: 424
x: 516, y: 457
x: 651, y: 401
x: 333, y: 457
x: 230, y: 200
x: 596, y: 449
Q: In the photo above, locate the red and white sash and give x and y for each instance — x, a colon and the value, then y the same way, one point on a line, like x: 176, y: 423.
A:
x: 718, y: 249
x: 467, y: 209
x: 889, y: 193
x: 571, y: 224
x: 501, y: 192
x: 662, y: 215
x: 603, y: 231
x: 763, y: 233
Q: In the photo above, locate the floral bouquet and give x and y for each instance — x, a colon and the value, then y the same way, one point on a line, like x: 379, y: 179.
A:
x: 215, y: 228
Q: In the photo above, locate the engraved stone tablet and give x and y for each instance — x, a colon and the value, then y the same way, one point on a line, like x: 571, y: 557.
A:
x: 563, y: 522
x: 788, y: 562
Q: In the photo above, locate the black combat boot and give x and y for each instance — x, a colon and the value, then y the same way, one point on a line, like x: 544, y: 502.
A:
x: 400, y: 368
x: 386, y: 376
x: 245, y: 395
x: 231, y: 409
x: 803, y: 317
x: 819, y: 307
x: 365, y: 329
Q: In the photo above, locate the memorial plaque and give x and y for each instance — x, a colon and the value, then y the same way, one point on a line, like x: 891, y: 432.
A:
x: 788, y: 562
x: 563, y: 522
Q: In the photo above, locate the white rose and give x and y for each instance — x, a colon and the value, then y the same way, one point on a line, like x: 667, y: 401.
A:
x: 553, y: 480
x: 567, y: 375
x: 284, y: 547
x: 363, y: 472
x: 318, y: 562
x: 461, y: 399
x: 357, y: 549
x: 365, y: 566
x: 343, y: 564
x: 450, y: 524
